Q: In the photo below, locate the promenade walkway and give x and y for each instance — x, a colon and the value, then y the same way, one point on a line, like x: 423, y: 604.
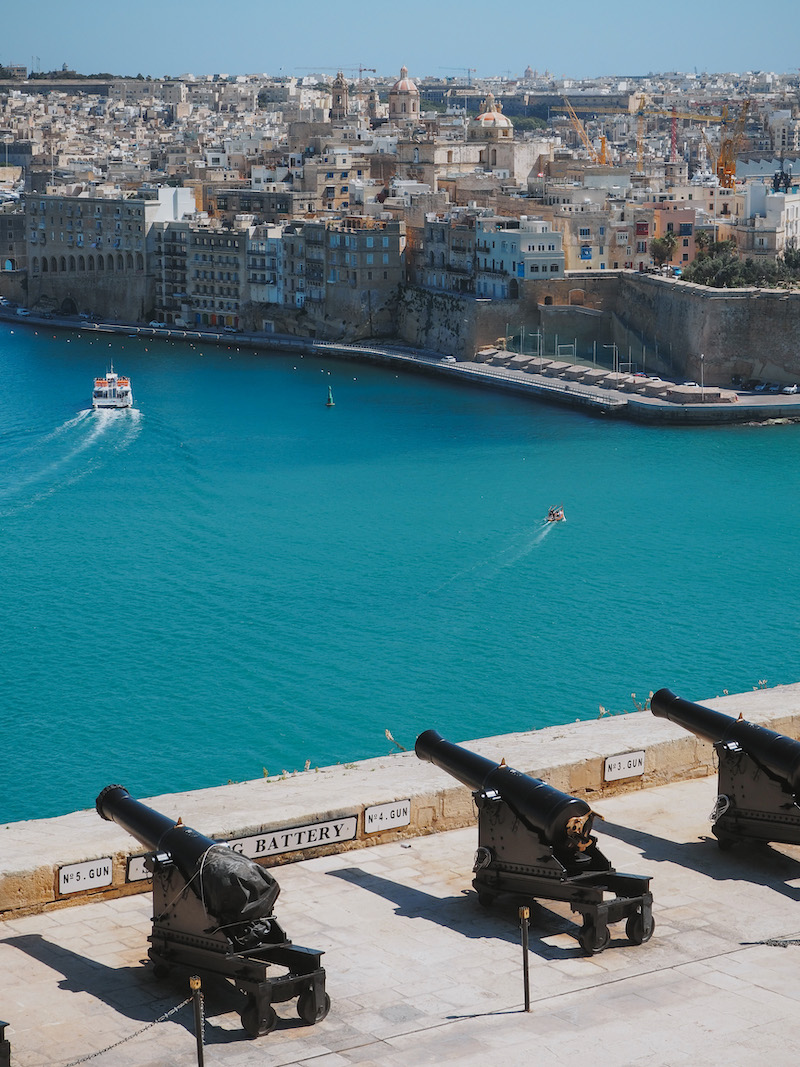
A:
x: 419, y: 974
x: 595, y: 399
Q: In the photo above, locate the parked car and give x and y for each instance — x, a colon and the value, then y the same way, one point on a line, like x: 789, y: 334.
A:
x: 447, y: 359
x: 790, y: 389
x: 761, y: 387
x: 23, y: 311
x: 775, y: 387
x: 154, y: 322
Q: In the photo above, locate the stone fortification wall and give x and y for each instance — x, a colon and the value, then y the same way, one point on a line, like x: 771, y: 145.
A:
x: 357, y: 805
x: 347, y: 315
x: 114, y: 295
x: 754, y: 333
x: 751, y: 332
x: 459, y: 325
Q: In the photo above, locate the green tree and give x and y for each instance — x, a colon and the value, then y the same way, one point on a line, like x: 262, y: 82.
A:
x: 661, y: 248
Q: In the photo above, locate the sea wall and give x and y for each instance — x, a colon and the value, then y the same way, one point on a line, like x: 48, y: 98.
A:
x: 662, y: 324
x: 754, y: 333
x: 54, y: 863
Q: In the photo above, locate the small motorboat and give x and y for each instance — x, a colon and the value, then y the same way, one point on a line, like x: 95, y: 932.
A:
x: 556, y: 514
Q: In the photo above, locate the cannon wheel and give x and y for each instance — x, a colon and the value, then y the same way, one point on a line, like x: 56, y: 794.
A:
x: 258, y: 1022
x: 309, y: 1010
x: 636, y: 931
x: 591, y: 939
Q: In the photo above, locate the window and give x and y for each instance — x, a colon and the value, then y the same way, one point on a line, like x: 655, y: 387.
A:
x: 584, y: 231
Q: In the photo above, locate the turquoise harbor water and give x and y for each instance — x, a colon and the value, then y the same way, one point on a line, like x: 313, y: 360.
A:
x: 235, y: 577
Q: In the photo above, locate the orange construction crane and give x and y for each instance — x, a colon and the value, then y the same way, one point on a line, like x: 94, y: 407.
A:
x: 595, y: 156
x: 729, y: 145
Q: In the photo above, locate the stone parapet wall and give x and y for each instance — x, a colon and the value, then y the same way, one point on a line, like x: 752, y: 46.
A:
x: 754, y: 333
x: 36, y: 856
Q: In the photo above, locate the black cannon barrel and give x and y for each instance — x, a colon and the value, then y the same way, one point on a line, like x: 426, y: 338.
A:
x: 777, y: 754
x: 560, y: 819
x: 233, y: 887
x: 157, y: 832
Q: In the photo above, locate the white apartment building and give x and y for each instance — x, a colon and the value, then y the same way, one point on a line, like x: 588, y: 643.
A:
x: 768, y: 222
x: 512, y: 250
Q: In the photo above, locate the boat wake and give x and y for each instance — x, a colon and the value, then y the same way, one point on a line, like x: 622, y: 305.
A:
x: 63, y: 456
x: 539, y: 535
x: 506, y: 557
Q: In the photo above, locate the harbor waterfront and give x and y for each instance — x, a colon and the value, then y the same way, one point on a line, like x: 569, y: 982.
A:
x: 232, y: 578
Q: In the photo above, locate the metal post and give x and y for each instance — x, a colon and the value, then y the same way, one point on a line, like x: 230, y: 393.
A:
x: 5, y: 1047
x: 594, y: 352
x: 702, y: 379
x: 197, y: 998
x: 524, y: 916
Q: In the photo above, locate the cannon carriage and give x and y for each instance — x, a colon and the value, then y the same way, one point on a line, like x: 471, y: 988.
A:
x: 758, y: 780
x: 535, y: 842
x: 213, y: 913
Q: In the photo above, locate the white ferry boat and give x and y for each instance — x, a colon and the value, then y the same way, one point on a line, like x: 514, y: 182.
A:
x: 112, y: 391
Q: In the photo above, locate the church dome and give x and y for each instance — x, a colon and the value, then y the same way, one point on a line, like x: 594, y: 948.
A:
x: 405, y: 84
x: 491, y: 117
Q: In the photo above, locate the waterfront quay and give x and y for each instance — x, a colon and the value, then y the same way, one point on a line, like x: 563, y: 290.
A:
x: 417, y: 971
x: 581, y: 386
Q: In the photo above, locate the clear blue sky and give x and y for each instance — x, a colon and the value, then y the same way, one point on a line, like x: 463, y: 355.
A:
x: 582, y: 38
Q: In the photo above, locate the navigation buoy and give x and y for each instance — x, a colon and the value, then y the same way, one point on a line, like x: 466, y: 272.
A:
x: 329, y: 402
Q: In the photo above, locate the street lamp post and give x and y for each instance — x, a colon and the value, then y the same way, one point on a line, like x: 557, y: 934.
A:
x: 702, y: 378
x: 615, y: 363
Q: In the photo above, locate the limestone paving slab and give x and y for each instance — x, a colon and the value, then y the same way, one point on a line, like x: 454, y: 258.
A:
x: 419, y: 973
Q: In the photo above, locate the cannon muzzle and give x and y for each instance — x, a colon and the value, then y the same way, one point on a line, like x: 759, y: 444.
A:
x: 777, y: 754
x: 559, y: 819
x: 234, y: 888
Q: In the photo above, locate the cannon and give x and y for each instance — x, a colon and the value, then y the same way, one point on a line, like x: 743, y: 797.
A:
x: 213, y: 913
x: 535, y: 841
x: 758, y: 779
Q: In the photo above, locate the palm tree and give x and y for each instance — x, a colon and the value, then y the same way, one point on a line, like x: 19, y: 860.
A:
x: 661, y: 248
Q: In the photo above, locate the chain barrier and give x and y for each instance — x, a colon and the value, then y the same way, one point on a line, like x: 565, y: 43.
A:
x: 103, y: 1051
x: 779, y: 942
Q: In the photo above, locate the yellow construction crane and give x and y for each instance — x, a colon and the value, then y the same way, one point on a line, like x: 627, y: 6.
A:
x: 641, y: 113
x: 595, y: 156
x: 729, y: 145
